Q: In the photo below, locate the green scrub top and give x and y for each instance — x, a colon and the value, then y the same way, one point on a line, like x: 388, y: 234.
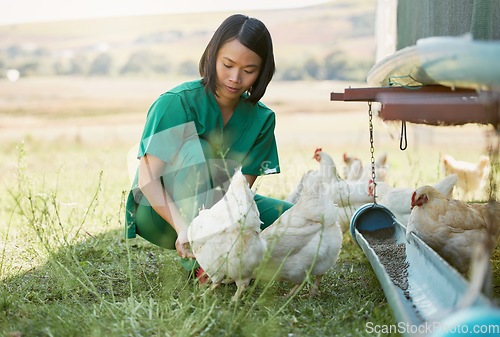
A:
x: 247, y: 138
x: 184, y: 128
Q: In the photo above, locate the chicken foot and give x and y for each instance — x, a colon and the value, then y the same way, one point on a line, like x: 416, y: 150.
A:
x: 293, y: 291
x: 212, y: 287
x: 312, y: 292
x: 241, y: 286
x: 239, y: 290
x: 314, y: 289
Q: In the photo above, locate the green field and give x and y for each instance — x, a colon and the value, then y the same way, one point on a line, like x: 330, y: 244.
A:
x: 65, y: 149
x: 66, y: 269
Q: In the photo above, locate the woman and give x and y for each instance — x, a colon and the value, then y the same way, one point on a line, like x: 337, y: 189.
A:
x: 197, y: 134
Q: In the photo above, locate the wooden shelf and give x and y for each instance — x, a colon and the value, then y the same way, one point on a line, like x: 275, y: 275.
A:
x: 433, y: 104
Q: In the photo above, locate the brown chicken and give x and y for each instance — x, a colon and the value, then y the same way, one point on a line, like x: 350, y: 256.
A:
x: 450, y: 227
x: 398, y: 199
x: 490, y: 212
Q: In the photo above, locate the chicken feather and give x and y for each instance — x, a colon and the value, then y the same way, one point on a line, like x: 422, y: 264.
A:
x: 225, y: 238
x: 327, y: 172
x: 450, y: 227
x: 471, y: 176
x: 354, y: 169
x: 398, y: 199
x: 306, y: 239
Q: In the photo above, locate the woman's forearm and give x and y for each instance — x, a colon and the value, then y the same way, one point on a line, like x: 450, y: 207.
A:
x: 163, y: 204
x: 150, y: 171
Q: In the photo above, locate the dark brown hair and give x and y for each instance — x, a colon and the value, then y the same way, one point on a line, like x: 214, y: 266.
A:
x: 251, y: 33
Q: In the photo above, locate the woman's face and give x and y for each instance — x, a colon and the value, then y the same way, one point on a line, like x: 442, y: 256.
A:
x: 237, y: 69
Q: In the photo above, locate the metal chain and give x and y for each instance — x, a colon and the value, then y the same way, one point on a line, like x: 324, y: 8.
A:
x: 372, y: 151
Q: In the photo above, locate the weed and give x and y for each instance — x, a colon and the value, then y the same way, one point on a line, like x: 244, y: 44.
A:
x: 66, y: 269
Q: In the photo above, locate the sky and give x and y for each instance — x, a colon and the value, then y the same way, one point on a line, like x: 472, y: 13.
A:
x: 22, y: 11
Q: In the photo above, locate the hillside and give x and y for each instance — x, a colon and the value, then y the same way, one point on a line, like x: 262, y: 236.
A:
x: 340, y: 31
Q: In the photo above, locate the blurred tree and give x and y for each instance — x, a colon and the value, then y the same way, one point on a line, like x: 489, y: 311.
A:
x: 336, y: 66
x: 101, y: 65
x: 62, y: 66
x: 41, y: 52
x: 15, y: 51
x: 45, y: 67
x: 29, y: 68
x: 188, y: 68
x: 292, y: 73
x: 145, y: 62
x: 160, y: 65
x: 313, y: 68
x: 137, y: 63
x: 79, y: 65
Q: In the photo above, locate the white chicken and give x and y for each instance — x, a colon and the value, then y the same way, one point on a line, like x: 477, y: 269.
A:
x: 225, y: 239
x: 398, y: 199
x: 450, y: 227
x: 349, y: 196
x: 471, y: 176
x: 306, y: 239
x: 327, y: 172
x: 354, y: 169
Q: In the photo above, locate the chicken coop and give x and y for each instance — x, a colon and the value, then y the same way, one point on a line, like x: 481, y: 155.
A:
x: 436, y: 64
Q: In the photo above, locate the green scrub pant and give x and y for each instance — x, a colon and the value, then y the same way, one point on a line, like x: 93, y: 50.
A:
x: 191, y: 182
x: 155, y: 229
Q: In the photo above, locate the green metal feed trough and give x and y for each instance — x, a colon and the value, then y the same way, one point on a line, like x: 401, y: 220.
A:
x: 422, y: 289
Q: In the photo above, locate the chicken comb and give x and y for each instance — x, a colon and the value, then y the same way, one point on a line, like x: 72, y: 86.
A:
x: 371, y: 188
x: 316, y: 156
x: 201, y: 275
x: 413, y: 197
x: 345, y: 156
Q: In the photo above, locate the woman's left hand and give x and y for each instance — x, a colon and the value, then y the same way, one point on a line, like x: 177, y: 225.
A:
x: 182, y: 245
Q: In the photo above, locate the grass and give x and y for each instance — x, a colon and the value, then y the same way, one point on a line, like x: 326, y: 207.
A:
x: 65, y: 269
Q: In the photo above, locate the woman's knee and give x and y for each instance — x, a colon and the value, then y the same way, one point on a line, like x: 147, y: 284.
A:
x: 152, y: 227
x: 270, y: 209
